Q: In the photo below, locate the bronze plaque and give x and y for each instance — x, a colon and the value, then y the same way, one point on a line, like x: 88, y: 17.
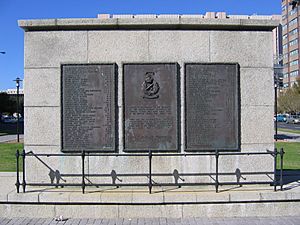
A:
x: 212, y: 107
x: 88, y: 107
x: 151, y: 112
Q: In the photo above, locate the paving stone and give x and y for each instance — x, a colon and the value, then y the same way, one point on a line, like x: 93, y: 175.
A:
x: 148, y: 221
x: 172, y: 221
x: 105, y: 222
x: 26, y: 221
x: 141, y: 221
x: 39, y: 221
x: 53, y: 222
x: 34, y: 221
x: 190, y: 221
x: 4, y: 221
x: 292, y: 220
x: 134, y: 222
x: 90, y: 221
x: 73, y: 221
x: 119, y: 221
x: 47, y: 221
x: 167, y: 221
x: 126, y: 222
x: 83, y: 221
x: 162, y: 221
x: 70, y: 222
x: 97, y: 221
x: 12, y: 221
x: 202, y: 220
x: 112, y: 222
x: 19, y: 221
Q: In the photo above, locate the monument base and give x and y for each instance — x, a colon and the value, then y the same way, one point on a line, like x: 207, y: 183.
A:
x: 187, y: 202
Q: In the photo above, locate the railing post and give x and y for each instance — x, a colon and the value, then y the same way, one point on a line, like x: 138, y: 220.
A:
x: 24, y: 172
x: 217, y: 170
x: 150, y: 172
x: 17, y: 164
x: 275, y: 171
x: 83, y: 175
x: 281, y: 168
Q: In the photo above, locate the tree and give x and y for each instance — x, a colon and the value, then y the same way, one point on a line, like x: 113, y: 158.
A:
x: 289, y: 101
x: 8, y: 104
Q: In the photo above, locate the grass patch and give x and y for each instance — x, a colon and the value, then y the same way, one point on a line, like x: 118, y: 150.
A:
x: 291, y: 158
x: 289, y: 131
x: 8, y: 156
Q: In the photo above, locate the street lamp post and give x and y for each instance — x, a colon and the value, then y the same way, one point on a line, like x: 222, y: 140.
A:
x: 18, y: 81
x: 277, y: 84
x: 276, y: 119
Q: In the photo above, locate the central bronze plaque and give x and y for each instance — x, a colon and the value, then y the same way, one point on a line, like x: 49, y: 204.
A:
x: 88, y: 107
x: 151, y: 110
x: 212, y: 107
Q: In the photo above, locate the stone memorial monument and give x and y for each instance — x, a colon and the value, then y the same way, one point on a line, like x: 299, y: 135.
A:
x: 130, y: 84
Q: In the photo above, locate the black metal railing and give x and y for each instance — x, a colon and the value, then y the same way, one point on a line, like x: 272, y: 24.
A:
x: 150, y: 184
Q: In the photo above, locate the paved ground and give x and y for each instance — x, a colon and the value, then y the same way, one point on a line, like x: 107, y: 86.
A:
x: 289, y: 126
x: 160, y: 221
x: 10, y: 137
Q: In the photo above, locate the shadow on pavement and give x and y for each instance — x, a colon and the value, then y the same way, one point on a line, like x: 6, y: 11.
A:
x: 291, y: 178
x: 286, y: 137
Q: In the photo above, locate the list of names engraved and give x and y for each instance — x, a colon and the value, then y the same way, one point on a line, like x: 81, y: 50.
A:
x: 88, y: 107
x: 150, y: 107
x: 212, y: 109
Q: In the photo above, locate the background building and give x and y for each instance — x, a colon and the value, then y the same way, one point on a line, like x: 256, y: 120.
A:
x: 290, y: 43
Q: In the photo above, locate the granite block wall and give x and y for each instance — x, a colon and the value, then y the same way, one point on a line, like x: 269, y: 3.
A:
x: 46, y: 50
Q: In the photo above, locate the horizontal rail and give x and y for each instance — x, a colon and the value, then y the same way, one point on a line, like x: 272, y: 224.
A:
x: 146, y: 184
x: 153, y: 154
x: 165, y: 174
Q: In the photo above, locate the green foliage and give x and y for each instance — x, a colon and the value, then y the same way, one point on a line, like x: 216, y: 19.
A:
x: 8, y: 156
x: 291, y: 159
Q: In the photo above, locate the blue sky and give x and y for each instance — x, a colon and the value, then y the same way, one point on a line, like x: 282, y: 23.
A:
x: 11, y: 36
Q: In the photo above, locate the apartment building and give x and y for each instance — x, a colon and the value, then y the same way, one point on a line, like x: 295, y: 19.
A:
x: 290, y: 43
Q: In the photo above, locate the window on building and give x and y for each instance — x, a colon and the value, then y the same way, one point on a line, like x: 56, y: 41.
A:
x: 293, y: 63
x: 284, y: 17
x: 286, y: 85
x: 286, y: 75
x: 292, y: 22
x: 294, y: 73
x: 284, y: 27
x: 294, y: 42
x: 294, y: 52
x: 285, y: 46
x: 295, y: 31
x: 283, y: 8
x: 285, y: 56
x: 293, y: 11
x: 284, y: 36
